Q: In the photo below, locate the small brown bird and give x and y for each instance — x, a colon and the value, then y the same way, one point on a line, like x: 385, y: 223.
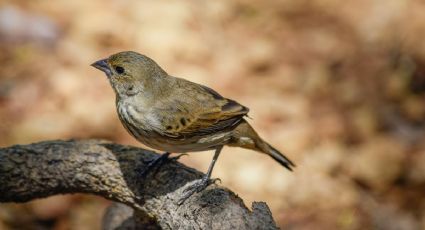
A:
x: 177, y: 116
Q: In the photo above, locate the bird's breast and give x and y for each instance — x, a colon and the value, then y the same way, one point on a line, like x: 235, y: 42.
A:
x: 145, y: 127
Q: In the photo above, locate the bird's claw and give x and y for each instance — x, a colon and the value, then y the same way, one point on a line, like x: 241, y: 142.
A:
x: 198, y: 186
x: 176, y: 158
x: 214, y: 180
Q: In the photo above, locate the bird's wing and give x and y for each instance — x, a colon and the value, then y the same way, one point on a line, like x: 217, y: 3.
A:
x: 199, y: 112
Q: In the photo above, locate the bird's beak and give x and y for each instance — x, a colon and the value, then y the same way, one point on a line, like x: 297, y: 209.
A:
x: 103, y: 66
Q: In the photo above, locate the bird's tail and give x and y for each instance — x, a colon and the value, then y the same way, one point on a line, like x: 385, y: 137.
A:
x: 245, y: 136
x: 275, y: 154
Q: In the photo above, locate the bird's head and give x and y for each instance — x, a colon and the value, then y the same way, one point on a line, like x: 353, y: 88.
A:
x: 130, y: 73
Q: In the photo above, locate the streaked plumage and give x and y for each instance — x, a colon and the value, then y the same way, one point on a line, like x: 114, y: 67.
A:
x: 175, y: 115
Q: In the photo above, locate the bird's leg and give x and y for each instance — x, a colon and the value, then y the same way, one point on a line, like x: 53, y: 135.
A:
x: 158, y: 162
x: 204, y: 182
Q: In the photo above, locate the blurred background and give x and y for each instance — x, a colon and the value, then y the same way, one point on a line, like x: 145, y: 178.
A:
x: 339, y: 86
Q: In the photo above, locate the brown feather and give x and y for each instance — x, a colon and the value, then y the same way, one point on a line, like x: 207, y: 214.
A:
x: 213, y: 114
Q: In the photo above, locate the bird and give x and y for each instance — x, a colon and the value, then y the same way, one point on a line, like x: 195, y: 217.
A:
x: 175, y: 115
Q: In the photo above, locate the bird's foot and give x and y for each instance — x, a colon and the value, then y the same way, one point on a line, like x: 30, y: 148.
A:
x: 198, y: 186
x: 176, y: 158
x: 152, y: 164
x: 158, y: 162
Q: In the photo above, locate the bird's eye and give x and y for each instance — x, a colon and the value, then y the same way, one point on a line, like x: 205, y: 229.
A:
x: 119, y: 69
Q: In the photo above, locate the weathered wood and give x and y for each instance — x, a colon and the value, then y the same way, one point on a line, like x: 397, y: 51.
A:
x: 110, y: 170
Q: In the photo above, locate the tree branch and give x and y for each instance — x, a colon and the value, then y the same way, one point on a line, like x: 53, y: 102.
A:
x: 110, y: 170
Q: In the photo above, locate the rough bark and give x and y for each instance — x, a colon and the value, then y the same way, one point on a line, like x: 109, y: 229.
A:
x: 110, y: 170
